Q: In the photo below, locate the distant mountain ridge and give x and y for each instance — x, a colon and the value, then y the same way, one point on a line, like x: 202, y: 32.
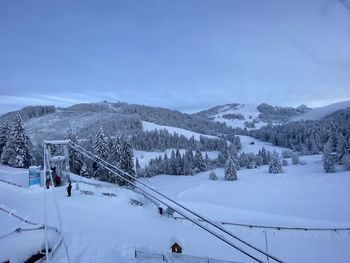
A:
x: 321, y: 112
x: 115, y: 118
x: 251, y: 115
x: 51, y: 122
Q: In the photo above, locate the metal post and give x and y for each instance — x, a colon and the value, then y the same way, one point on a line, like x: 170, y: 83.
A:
x: 45, y: 208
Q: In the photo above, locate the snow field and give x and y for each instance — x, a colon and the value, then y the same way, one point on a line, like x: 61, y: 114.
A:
x: 150, y: 126
x: 99, y: 228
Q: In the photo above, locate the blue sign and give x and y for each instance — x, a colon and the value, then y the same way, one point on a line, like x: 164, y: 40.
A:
x: 34, y: 175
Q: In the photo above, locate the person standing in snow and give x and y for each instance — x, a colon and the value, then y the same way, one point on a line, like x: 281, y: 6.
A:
x: 69, y: 189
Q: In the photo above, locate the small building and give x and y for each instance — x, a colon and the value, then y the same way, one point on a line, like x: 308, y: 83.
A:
x: 176, y: 245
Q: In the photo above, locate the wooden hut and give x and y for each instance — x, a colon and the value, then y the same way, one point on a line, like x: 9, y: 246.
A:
x: 176, y: 245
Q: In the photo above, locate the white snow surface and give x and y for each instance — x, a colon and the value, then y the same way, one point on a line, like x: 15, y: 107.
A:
x: 321, y: 112
x: 150, y: 126
x: 98, y: 228
x: 249, y: 111
x: 15, y: 175
x: 248, y: 147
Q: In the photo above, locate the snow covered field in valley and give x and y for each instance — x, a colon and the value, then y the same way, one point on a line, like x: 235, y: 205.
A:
x: 99, y: 228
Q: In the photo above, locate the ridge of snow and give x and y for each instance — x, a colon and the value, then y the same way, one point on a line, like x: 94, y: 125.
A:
x: 150, y: 126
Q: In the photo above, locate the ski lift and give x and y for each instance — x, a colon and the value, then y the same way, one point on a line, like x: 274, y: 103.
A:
x: 56, y: 163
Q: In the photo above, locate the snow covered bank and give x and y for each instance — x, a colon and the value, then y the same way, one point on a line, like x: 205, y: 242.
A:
x: 15, y: 175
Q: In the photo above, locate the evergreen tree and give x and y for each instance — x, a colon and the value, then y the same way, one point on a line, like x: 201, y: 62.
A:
x: 4, y: 134
x: 178, y: 163
x: 328, y: 158
x: 234, y: 156
x: 100, y: 149
x: 207, y: 160
x: 264, y: 156
x: 166, y: 164
x: 341, y: 147
x: 186, y: 164
x: 230, y: 169
x: 346, y: 162
x: 75, y: 161
x: 126, y: 162
x: 114, y: 156
x: 275, y: 166
x: 16, y: 151
x: 172, y: 163
x: 100, y: 144
x: 199, y: 162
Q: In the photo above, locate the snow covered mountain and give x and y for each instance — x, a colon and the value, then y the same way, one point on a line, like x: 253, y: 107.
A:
x: 115, y: 119
x: 251, y: 115
x: 321, y: 112
x: 123, y: 118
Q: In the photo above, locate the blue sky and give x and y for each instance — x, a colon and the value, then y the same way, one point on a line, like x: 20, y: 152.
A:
x: 184, y: 54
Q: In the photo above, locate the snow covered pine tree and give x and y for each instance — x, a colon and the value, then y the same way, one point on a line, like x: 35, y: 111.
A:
x: 16, y: 151
x: 230, y: 168
x: 100, y: 149
x: 275, y: 166
x: 75, y: 163
x: 4, y: 134
x: 328, y: 158
x: 126, y: 161
x: 199, y: 162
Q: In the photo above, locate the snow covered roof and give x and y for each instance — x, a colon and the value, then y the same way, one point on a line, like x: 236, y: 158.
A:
x: 177, y: 240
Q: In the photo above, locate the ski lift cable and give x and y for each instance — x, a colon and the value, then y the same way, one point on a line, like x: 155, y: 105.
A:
x: 279, y: 227
x: 183, y: 207
x: 181, y: 213
x: 94, y: 157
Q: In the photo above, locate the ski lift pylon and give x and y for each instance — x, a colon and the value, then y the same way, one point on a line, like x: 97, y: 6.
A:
x: 56, y: 163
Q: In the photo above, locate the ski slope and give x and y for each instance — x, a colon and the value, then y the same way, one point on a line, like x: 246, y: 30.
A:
x: 150, y: 126
x: 249, y: 111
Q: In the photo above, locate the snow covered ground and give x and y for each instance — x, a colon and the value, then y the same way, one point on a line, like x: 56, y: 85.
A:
x: 252, y: 145
x: 15, y: 175
x: 100, y: 228
x: 150, y: 126
x: 249, y: 111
